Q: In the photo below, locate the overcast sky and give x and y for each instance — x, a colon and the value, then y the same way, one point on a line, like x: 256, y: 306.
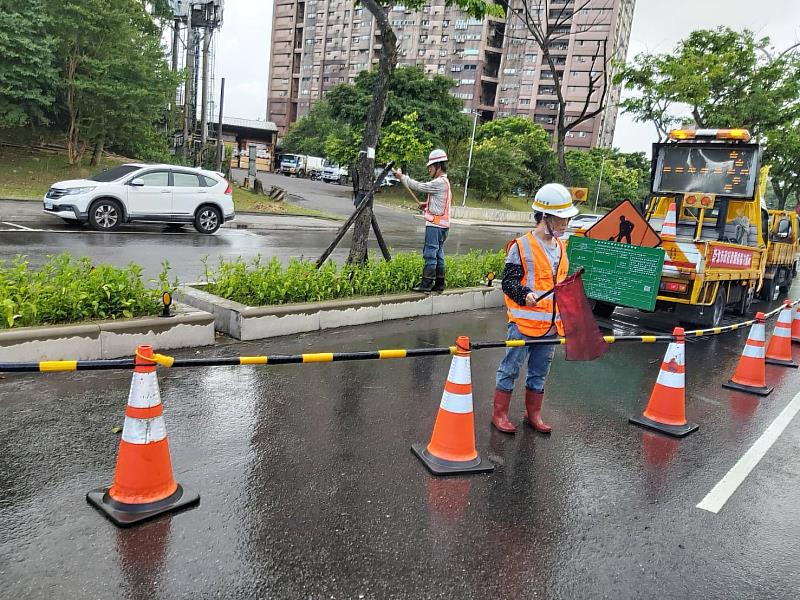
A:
x: 243, y: 45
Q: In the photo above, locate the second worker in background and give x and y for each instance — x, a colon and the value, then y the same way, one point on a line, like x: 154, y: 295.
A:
x: 437, y: 219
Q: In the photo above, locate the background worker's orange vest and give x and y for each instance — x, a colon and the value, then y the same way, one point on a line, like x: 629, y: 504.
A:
x: 535, y: 321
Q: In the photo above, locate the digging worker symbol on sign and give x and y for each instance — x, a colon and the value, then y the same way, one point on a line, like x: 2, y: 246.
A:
x: 625, y: 230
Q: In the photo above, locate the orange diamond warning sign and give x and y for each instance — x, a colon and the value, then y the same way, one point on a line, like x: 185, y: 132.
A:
x: 626, y: 225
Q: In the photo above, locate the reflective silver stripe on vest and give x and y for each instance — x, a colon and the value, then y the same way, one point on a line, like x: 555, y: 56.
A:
x: 529, y: 268
x: 532, y: 315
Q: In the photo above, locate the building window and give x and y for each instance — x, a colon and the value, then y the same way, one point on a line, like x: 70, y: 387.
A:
x: 524, y: 100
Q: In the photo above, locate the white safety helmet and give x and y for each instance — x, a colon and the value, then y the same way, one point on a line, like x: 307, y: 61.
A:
x: 436, y: 156
x: 554, y: 199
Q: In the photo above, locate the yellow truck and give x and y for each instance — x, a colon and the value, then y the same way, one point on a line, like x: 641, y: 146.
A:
x: 783, y: 245
x: 716, y: 259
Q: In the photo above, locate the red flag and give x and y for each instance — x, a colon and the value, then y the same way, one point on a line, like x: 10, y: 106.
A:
x: 584, y: 340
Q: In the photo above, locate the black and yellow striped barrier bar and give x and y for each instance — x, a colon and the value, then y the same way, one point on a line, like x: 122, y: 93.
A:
x: 58, y: 366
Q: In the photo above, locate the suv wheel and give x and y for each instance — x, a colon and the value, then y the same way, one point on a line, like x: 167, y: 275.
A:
x: 207, y: 219
x: 105, y: 215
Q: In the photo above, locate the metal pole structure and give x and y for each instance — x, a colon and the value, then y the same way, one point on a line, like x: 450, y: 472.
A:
x: 188, y: 106
x: 220, y: 147
x: 599, y: 183
x: 204, y: 98
x: 469, y: 160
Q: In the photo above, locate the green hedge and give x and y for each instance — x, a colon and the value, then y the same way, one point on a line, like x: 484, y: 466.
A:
x: 69, y: 290
x: 267, y: 283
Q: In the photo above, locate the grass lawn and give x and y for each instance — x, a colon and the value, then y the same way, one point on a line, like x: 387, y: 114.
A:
x: 247, y: 201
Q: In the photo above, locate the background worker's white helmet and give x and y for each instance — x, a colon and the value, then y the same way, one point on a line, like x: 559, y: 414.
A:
x: 554, y: 199
x: 437, y: 156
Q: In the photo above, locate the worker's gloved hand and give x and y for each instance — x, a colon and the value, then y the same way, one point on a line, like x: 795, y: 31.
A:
x: 530, y: 299
x: 397, y: 173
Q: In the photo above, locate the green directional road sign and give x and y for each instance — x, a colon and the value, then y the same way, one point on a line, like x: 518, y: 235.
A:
x: 620, y: 274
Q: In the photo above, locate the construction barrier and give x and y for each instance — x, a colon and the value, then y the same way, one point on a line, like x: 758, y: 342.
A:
x: 144, y: 486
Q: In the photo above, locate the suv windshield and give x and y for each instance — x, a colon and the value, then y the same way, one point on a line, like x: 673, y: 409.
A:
x: 114, y: 174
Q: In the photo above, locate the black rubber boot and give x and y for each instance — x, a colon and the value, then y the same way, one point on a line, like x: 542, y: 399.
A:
x: 428, y: 279
x: 439, y: 285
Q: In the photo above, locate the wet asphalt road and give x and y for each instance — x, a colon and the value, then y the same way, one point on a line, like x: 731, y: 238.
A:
x: 284, y: 237
x: 309, y: 490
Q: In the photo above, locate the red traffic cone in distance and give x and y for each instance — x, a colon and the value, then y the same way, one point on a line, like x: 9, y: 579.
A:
x: 779, y: 350
x: 666, y: 410
x: 452, y: 447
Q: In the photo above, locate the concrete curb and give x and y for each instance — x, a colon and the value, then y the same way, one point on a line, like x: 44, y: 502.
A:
x: 108, y: 339
x: 258, y: 322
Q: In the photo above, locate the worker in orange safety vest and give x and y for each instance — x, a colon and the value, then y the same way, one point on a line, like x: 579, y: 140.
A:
x: 535, y: 262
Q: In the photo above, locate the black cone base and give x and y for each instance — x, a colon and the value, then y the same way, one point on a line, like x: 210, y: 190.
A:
x: 125, y: 515
x: 439, y: 466
x: 782, y: 363
x: 758, y: 391
x: 673, y: 430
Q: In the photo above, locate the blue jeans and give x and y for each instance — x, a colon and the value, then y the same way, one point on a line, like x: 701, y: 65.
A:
x: 433, y: 251
x: 539, y: 359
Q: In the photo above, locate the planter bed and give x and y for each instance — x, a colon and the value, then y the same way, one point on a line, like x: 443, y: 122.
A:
x: 94, y: 340
x: 257, y: 322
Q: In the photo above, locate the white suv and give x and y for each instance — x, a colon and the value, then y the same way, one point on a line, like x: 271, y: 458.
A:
x: 154, y: 193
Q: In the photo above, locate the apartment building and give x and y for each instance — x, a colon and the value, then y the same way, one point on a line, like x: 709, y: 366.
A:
x: 317, y: 44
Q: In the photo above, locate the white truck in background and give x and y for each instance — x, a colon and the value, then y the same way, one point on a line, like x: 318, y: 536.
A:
x: 300, y: 165
x: 333, y: 173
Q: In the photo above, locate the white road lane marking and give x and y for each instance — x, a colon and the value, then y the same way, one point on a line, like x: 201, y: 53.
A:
x: 719, y: 495
x: 18, y: 226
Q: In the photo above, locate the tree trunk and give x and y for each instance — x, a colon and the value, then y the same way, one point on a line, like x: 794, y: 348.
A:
x: 780, y: 194
x: 365, y: 166
x: 561, y: 140
x: 98, y: 151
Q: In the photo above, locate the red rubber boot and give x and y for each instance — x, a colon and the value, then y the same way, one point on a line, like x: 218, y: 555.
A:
x: 502, y: 400
x: 533, y: 411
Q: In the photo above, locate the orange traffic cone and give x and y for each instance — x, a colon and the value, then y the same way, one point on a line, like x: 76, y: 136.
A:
x: 796, y: 324
x: 669, y: 227
x: 143, y: 484
x: 779, y: 351
x: 666, y: 411
x: 452, y: 446
x: 751, y: 372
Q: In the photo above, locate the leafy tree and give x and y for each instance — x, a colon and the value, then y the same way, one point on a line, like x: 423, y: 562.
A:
x: 27, y: 75
x: 341, y: 146
x: 532, y: 142
x: 619, y: 181
x: 783, y: 155
x: 497, y: 169
x: 439, y: 113
x: 403, y: 142
x: 309, y: 133
x: 716, y: 78
x: 115, y: 78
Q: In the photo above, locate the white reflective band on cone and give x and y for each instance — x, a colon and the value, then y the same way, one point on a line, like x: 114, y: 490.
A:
x: 144, y: 391
x: 456, y: 403
x: 144, y: 431
x: 460, y: 371
x: 753, y: 351
x: 670, y: 379
x: 782, y: 330
x: 757, y: 333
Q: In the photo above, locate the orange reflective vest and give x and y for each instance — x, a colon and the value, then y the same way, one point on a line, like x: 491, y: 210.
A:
x: 442, y: 220
x: 536, y: 321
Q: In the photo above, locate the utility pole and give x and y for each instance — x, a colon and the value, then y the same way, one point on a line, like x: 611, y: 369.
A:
x: 599, y: 183
x: 176, y: 34
x: 469, y: 160
x: 220, y: 148
x: 204, y: 98
x: 188, y: 105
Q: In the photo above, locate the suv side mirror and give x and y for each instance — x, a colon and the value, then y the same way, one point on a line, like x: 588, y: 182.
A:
x: 138, y: 182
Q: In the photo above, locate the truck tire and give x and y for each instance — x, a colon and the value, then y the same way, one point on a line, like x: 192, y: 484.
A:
x: 786, y: 280
x: 769, y: 291
x: 603, y: 309
x: 743, y: 306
